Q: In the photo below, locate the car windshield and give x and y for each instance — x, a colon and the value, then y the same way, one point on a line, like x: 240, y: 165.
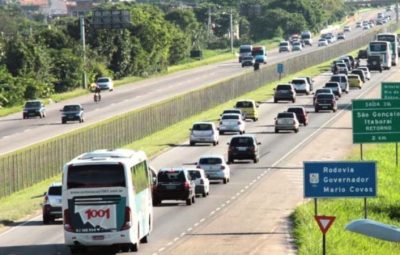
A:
x: 71, y: 108
x: 54, y: 191
x: 32, y: 104
x: 238, y: 141
x: 230, y: 117
x: 210, y: 161
x: 171, y: 176
x: 95, y: 176
x: 103, y: 80
x: 244, y: 104
x: 284, y: 87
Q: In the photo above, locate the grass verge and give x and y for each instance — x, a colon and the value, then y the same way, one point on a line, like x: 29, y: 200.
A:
x: 27, y: 202
x: 385, y: 208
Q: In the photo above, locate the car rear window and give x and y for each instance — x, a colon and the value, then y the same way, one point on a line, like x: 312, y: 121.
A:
x: 94, y: 176
x: 171, y: 176
x: 335, y: 78
x: 230, y: 117
x: 202, y: 127
x: 319, y: 91
x: 244, y: 104
x: 325, y: 96
x: 210, y: 161
x: 353, y: 77
x: 298, y: 81
x: 241, y: 141
x: 285, y: 115
x: 282, y: 44
x: 231, y: 111
x: 194, y: 174
x: 283, y: 87
x: 295, y: 110
x: 331, y: 85
x: 55, y: 191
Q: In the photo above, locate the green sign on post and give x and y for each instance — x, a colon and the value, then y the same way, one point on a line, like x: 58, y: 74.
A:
x: 376, y: 121
x: 390, y: 90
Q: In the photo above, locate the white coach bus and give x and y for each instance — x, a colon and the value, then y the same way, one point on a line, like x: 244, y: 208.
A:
x: 107, y: 200
x: 392, y: 39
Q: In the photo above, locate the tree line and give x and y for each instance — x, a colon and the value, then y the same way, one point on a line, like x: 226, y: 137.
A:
x: 40, y: 58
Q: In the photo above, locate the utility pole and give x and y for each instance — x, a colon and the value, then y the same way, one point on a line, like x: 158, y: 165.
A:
x: 231, y: 29
x: 397, y: 11
x: 82, y: 26
x: 209, y: 23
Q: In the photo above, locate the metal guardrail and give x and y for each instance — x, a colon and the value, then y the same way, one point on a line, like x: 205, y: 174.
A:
x: 25, y: 167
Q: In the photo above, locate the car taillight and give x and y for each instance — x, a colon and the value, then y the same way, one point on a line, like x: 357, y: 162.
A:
x: 201, y: 181
x: 222, y: 168
x: 46, y: 199
x: 67, y: 222
x: 186, y: 185
x: 198, y: 166
x: 231, y: 148
x: 238, y: 123
x: 252, y: 148
x: 127, y: 220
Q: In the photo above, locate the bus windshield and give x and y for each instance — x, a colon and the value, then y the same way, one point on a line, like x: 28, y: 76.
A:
x: 95, y: 176
x: 377, y: 47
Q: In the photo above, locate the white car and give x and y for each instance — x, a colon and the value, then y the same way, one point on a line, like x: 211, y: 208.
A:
x: 215, y: 167
x: 346, y: 29
x: 296, y: 46
x: 366, y: 72
x: 301, y: 85
x: 200, y: 179
x: 204, y: 132
x: 366, y: 27
x: 232, y: 122
x: 105, y: 83
x: 322, y: 42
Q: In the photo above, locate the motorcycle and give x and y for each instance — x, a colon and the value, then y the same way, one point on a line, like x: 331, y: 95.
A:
x: 97, y: 97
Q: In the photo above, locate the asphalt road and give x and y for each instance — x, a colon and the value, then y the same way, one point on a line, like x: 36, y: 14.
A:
x: 17, y: 133
x: 176, y: 220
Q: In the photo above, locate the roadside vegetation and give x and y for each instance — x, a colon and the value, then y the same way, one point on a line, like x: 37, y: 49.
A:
x: 384, y: 208
x: 39, y: 60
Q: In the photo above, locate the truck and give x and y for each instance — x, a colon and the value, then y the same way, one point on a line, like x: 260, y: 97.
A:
x: 245, y: 51
x: 306, y: 37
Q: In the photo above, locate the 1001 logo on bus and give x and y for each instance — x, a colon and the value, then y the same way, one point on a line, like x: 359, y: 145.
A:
x: 90, y: 213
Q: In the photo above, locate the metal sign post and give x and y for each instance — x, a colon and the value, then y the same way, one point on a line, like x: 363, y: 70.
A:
x: 280, y: 68
x: 324, y: 223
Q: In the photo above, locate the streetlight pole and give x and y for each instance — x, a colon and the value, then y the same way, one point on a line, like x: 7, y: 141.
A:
x: 82, y: 26
x: 231, y: 29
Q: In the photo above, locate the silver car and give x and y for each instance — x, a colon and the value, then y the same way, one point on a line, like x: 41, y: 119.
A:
x: 202, y: 183
x: 105, y: 83
x: 204, y: 132
x: 232, y: 122
x: 215, y: 167
x: 51, y: 207
x: 286, y: 121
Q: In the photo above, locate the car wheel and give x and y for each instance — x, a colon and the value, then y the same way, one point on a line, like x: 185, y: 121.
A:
x: 225, y: 181
x: 194, y: 199
x: 275, y: 101
x: 46, y: 220
x: 80, y: 120
x: 334, y: 110
x: 156, y: 202
x: 189, y: 201
x: 40, y: 115
x: 294, y: 100
x: 221, y: 132
x: 204, y: 194
x: 296, y: 130
x: 305, y: 123
x: 44, y: 115
x: 255, y: 160
x: 63, y: 121
x: 74, y: 250
x: 316, y: 110
x: 192, y: 143
x: 255, y: 119
x: 276, y: 130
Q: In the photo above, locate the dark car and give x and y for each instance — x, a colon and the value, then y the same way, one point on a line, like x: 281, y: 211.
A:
x: 362, y: 54
x: 360, y: 73
x: 285, y: 92
x: 174, y: 184
x: 301, y: 114
x: 374, y: 63
x: 72, y: 112
x: 325, y: 101
x: 243, y: 147
x: 51, y: 207
x: 319, y: 91
x: 34, y: 108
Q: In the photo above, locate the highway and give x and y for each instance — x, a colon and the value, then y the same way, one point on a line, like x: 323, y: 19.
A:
x: 17, y: 133
x: 175, y: 222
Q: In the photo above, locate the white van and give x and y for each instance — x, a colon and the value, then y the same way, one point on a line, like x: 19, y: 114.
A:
x: 245, y: 51
x: 107, y: 200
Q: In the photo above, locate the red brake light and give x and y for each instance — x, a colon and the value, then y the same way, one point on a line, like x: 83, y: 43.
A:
x: 198, y: 166
x: 252, y: 148
x: 186, y: 185
x: 46, y: 199
x: 67, y: 223
x: 127, y: 221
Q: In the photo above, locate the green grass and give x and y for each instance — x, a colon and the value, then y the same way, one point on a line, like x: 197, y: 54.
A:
x: 27, y: 201
x: 385, y: 208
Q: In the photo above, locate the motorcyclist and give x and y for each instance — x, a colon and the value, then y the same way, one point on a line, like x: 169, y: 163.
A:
x: 335, y: 69
x: 97, y: 91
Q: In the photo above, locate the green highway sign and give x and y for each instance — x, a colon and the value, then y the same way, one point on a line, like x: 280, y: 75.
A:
x: 376, y: 121
x: 390, y: 90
